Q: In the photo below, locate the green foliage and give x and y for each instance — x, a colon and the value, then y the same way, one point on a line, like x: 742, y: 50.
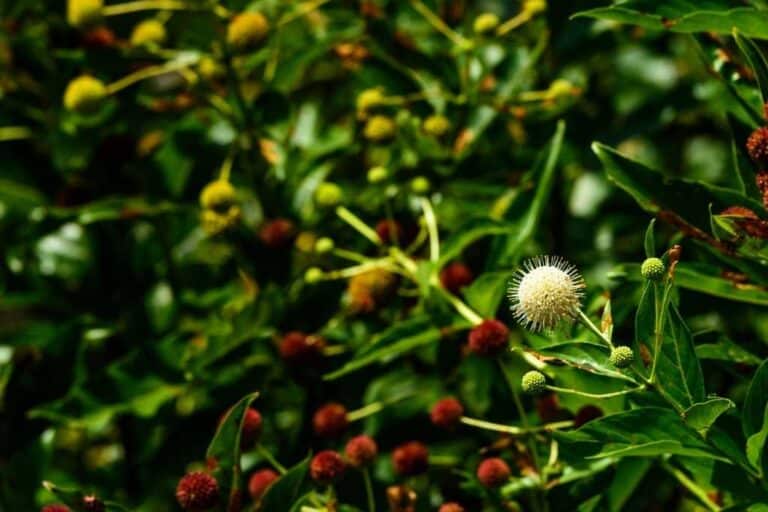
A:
x: 319, y: 213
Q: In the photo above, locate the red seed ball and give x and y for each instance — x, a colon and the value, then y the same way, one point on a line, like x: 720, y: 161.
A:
x: 298, y: 349
x: 260, y: 482
x: 586, y: 414
x: 446, y: 412
x: 757, y: 146
x: 490, y: 338
x: 278, y: 233
x: 411, y: 458
x: 361, y: 451
x: 93, y: 504
x: 55, y: 507
x: 197, y: 492
x: 326, y: 467
x: 389, y: 231
x: 455, y: 276
x: 330, y: 420
x: 493, y: 472
x: 451, y: 506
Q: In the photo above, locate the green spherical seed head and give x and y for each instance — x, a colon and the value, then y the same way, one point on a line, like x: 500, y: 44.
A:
x: 653, y: 269
x: 534, y: 382
x: 313, y: 275
x: 324, y: 245
x: 377, y: 174
x: 328, y: 194
x: 420, y: 185
x: 621, y: 357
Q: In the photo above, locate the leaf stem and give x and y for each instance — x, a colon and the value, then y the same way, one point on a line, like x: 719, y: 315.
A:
x: 439, y: 24
x: 145, y: 73
x: 271, y: 459
x: 369, y: 490
x: 596, y: 395
x: 690, y: 485
x: 434, y: 235
x: 460, y: 306
x: 592, y: 327
x: 511, y: 429
x: 356, y: 222
x: 661, y: 314
x: 15, y: 133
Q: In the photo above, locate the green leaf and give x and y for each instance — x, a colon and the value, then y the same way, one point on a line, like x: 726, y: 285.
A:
x: 73, y: 498
x: 286, y: 489
x: 704, y: 280
x: 678, y: 370
x: 756, y: 446
x: 742, y: 165
x: 224, y: 449
x: 650, y: 242
x: 486, y: 292
x: 469, y: 233
x: 386, y: 353
x: 702, y: 415
x: 728, y: 351
x: 719, y: 16
x: 629, y: 474
x: 755, y: 402
x: 683, y: 203
x: 645, y: 431
x: 756, y: 61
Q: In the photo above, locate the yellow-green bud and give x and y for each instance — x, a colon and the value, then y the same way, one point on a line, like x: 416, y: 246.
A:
x: 209, y: 68
x: 247, y: 30
x: 436, y: 125
x: 420, y: 185
x: 621, y: 357
x: 377, y: 174
x: 653, y: 269
x: 485, y: 22
x: 218, y: 195
x: 379, y: 128
x: 328, y: 194
x: 369, y: 99
x: 532, y: 7
x: 148, y: 32
x: 324, y: 245
x: 84, y: 13
x: 534, y: 383
x: 84, y: 94
x: 313, y: 275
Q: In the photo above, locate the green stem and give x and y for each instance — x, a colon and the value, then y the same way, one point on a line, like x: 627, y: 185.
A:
x: 690, y: 485
x: 661, y: 314
x: 369, y: 490
x: 350, y: 255
x: 145, y: 73
x: 359, y: 226
x: 434, y: 235
x: 463, y: 309
x: 344, y: 273
x: 271, y: 459
x: 15, y: 133
x: 596, y: 395
x: 592, y: 327
x: 439, y: 24
x: 511, y: 429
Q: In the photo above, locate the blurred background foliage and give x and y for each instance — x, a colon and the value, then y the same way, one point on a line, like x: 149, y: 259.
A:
x: 128, y: 329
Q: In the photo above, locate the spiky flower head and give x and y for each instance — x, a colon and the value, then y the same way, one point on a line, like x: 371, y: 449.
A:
x: 757, y: 146
x: 420, y: 185
x: 260, y: 482
x: 411, y: 458
x: 446, y: 413
x: 377, y: 174
x: 218, y: 195
x: 326, y: 467
x: 493, y: 472
x: 84, y: 94
x: 652, y: 269
x: 330, y: 420
x: 324, y: 245
x: 534, y: 382
x: 56, y: 507
x: 314, y: 275
x: 546, y: 291
x: 532, y: 7
x: 621, y: 357
x: 148, y: 32
x: 369, y: 99
x: 247, y: 30
x: 361, y: 451
x: 485, y: 22
x: 84, y: 13
x: 197, y: 491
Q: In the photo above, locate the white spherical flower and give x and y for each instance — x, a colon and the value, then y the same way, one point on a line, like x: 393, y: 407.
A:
x: 546, y: 291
